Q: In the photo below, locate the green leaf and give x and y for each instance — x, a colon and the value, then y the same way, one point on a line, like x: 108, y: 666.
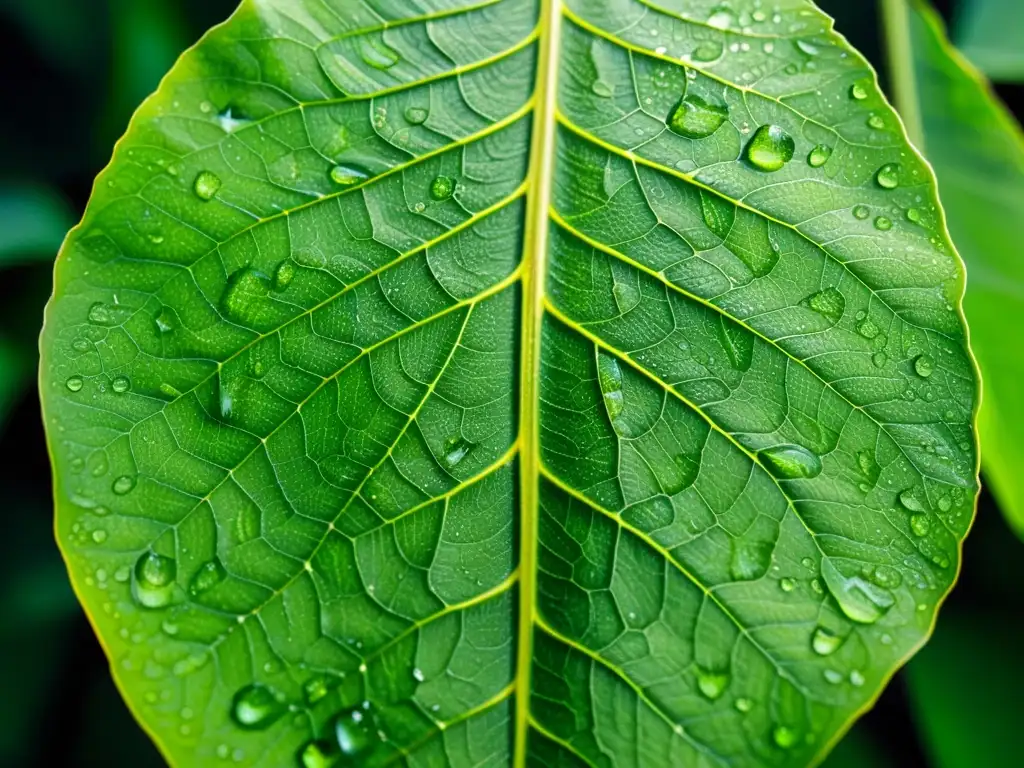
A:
x: 490, y: 387
x: 988, y: 32
x: 974, y: 658
x: 977, y: 150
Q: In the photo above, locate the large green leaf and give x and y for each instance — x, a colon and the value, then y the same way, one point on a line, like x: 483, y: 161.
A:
x: 977, y: 150
x: 466, y: 384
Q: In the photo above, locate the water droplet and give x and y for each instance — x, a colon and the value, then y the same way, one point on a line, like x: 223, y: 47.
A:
x: 829, y: 303
x: 346, y: 175
x: 784, y: 736
x: 316, y: 688
x: 355, y: 732
x: 744, y: 705
x: 859, y: 91
x: 153, y: 586
x: 787, y: 584
x: 455, y: 450
x: 165, y: 320
x: 122, y: 485
x: 861, y: 212
x: 209, y: 575
x: 99, y: 536
x: 609, y: 376
x: 102, y: 314
x: 791, y: 462
x: 913, y: 215
x: 920, y: 524
x: 416, y: 115
x: 824, y: 642
x: 887, y: 577
x: 256, y: 707
x: 721, y: 17
x: 879, y: 359
x: 867, y: 328
x: 924, y: 365
x: 75, y: 383
x: 859, y: 599
x: 712, y: 684
x: 442, y: 187
x: 377, y: 53
x: 770, y: 148
x: 244, y: 296
x: 318, y: 754
x: 833, y: 676
x: 856, y: 678
x: 819, y: 156
x: 708, y: 50
x: 910, y: 500
x: 206, y: 185
x: 888, y: 176
x: 876, y: 122
x: 602, y: 89
x: 883, y: 223
x: 750, y: 559
x: 696, y: 118
x: 121, y: 384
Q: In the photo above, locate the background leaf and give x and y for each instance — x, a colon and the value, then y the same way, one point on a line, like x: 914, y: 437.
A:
x: 977, y: 150
x: 989, y: 34
x: 731, y: 345
x: 33, y: 222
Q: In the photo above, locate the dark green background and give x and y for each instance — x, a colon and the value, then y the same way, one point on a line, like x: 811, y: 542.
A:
x: 73, y: 71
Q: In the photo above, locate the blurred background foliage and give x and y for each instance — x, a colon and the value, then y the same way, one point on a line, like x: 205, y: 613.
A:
x: 74, y: 72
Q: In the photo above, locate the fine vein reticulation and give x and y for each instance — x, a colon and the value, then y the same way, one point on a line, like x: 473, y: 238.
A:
x: 507, y: 383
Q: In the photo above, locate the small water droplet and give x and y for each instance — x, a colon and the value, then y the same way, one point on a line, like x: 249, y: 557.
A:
x: 883, y: 223
x: 416, y: 115
x: 609, y: 377
x: 696, y: 118
x: 879, y: 359
x: 355, y: 732
x: 75, y: 383
x: 824, y: 642
x: 346, y: 175
x: 121, y: 384
x: 924, y: 365
x: 876, y: 122
x: 861, y: 212
x: 743, y: 705
x: 819, y: 156
x: 913, y: 215
x: 209, y: 575
x: 708, y: 50
x: 712, y: 684
x: 122, y: 485
x: 255, y: 707
x: 206, y: 185
x: 99, y: 536
x: 829, y: 303
x: 911, y: 501
x: 888, y: 176
x: 442, y: 187
x: 920, y: 524
x: 455, y: 450
x: 153, y: 586
x: 791, y: 462
x: 770, y: 148
x: 721, y: 17
x: 833, y: 676
x: 787, y: 584
x: 856, y: 678
x: 318, y: 754
x: 377, y: 53
x: 867, y: 328
x: 784, y: 736
x: 284, y: 274
x: 244, y: 296
x: 602, y: 89
x: 316, y: 688
x: 859, y: 91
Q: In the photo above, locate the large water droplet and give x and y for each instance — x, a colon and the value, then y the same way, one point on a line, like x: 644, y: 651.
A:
x: 209, y: 575
x: 153, y: 586
x: 346, y: 175
x: 824, y: 642
x: 256, y: 707
x: 791, y: 462
x: 770, y: 148
x: 829, y: 303
x: 243, y: 300
x: 924, y: 365
x: 416, y: 115
x: 455, y: 450
x: 355, y: 733
x: 888, y: 176
x: 206, y: 185
x: 712, y: 684
x: 442, y: 187
x: 696, y: 118
x: 377, y: 53
x: 859, y: 599
x: 609, y: 376
x: 819, y: 156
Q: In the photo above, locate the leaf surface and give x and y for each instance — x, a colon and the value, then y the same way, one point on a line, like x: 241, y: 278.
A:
x: 988, y: 32
x: 977, y: 150
x: 492, y: 383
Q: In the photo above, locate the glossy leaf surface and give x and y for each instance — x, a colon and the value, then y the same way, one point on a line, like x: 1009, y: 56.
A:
x: 490, y: 384
x: 977, y: 150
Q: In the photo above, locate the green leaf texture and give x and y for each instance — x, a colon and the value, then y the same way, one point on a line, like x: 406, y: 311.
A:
x: 977, y: 149
x: 494, y: 383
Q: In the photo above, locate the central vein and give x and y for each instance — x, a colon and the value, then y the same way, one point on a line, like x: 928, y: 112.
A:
x: 535, y: 262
